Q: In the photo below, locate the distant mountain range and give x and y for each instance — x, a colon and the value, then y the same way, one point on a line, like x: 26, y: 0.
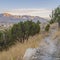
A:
x: 9, y: 18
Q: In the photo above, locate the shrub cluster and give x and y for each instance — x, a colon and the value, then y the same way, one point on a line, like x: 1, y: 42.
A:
x: 19, y: 32
x: 51, y: 21
x: 47, y: 27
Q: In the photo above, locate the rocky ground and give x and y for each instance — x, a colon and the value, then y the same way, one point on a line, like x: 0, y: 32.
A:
x: 49, y: 49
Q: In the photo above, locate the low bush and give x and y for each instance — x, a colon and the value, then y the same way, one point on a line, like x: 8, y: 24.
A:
x: 19, y: 32
x: 47, y: 27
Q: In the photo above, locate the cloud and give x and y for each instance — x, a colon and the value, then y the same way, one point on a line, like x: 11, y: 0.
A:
x: 33, y: 12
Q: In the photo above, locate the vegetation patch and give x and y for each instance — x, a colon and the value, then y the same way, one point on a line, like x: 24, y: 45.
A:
x: 18, y: 33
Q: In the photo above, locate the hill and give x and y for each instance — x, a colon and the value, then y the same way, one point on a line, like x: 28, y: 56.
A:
x: 9, y: 18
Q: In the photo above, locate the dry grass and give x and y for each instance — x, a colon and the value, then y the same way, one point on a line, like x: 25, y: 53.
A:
x: 17, y: 51
x: 56, y: 35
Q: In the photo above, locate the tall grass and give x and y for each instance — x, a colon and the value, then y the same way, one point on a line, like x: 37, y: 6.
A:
x: 17, y: 51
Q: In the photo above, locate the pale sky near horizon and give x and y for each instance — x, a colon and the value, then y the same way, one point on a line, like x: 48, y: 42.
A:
x: 29, y: 7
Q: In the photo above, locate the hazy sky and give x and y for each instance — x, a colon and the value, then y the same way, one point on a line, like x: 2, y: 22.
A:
x: 15, y: 6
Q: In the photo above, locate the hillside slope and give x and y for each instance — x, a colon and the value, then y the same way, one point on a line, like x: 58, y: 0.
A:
x: 49, y: 48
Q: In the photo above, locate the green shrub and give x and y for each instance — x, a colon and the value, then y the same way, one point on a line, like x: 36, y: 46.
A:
x: 19, y: 32
x: 55, y: 16
x: 47, y: 27
x: 51, y: 21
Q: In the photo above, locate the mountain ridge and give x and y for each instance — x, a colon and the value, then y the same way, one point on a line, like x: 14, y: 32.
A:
x: 9, y: 17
